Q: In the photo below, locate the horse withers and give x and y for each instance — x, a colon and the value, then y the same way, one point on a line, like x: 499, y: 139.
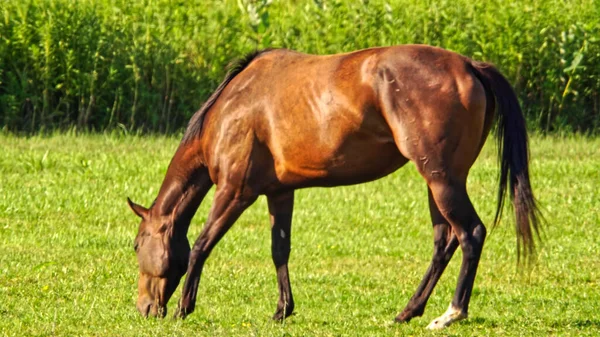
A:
x: 283, y: 120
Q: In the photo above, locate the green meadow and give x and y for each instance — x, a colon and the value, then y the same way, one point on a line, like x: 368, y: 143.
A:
x: 67, y: 265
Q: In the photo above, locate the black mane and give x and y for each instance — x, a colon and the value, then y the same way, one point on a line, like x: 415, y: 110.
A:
x: 194, y: 127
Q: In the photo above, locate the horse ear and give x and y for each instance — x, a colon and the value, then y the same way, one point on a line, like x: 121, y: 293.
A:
x: 140, y: 211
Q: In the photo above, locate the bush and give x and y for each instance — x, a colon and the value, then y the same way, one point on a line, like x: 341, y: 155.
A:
x: 148, y: 65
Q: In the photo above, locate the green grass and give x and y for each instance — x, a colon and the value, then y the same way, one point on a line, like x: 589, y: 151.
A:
x: 67, y: 265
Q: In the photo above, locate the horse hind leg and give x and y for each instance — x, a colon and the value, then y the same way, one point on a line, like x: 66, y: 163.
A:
x: 444, y: 246
x: 454, y: 204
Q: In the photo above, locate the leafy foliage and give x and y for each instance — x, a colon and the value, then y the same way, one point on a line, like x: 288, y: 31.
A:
x: 148, y: 65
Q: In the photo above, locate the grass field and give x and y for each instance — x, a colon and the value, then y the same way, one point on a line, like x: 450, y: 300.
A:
x: 67, y: 265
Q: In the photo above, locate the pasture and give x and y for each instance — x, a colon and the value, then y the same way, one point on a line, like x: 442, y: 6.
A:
x: 67, y: 265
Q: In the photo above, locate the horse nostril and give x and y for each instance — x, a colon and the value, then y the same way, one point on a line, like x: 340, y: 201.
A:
x: 144, y: 308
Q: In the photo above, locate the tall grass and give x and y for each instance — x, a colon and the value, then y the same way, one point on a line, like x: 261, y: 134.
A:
x: 148, y: 65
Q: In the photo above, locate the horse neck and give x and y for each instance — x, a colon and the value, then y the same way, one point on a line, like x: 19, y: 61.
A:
x: 186, y: 183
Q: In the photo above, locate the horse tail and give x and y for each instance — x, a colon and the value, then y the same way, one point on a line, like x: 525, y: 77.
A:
x: 513, y: 156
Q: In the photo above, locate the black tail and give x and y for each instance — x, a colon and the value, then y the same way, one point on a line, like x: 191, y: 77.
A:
x: 513, y: 154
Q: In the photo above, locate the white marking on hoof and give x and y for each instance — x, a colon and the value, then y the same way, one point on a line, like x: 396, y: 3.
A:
x: 282, y: 234
x: 450, y: 316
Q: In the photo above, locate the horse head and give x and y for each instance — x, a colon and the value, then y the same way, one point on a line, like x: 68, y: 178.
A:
x: 162, y: 259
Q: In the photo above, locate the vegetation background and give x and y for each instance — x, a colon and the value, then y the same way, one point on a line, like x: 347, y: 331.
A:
x: 148, y: 65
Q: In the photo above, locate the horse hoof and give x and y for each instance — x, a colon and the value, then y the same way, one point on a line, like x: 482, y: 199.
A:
x: 282, y: 314
x: 450, y: 316
x: 180, y: 313
x: 407, y: 314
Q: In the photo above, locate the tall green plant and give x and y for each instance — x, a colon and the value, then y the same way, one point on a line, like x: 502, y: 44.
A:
x: 148, y: 65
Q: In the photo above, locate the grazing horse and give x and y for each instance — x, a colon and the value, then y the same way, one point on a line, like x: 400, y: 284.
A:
x: 283, y: 120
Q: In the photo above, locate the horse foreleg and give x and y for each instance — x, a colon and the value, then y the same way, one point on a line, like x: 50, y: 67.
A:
x: 227, y: 206
x: 444, y: 246
x: 280, y: 210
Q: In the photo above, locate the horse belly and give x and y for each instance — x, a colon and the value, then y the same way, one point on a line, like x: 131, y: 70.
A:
x: 360, y: 161
x: 356, y: 160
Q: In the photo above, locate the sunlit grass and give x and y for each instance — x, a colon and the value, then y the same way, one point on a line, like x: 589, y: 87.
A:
x: 67, y: 265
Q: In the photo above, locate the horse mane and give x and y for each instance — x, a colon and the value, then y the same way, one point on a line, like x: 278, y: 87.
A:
x: 194, y: 127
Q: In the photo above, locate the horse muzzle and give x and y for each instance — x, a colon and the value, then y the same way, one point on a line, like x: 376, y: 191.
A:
x: 148, y: 307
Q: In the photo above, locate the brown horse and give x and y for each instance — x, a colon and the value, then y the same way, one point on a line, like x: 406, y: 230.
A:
x: 283, y: 120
